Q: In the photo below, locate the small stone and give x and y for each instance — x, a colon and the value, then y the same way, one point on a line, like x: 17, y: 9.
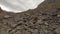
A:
x: 7, y: 16
x: 57, y: 30
x: 46, y: 23
x: 58, y: 15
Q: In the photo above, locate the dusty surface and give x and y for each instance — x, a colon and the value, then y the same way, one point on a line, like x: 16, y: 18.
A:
x: 43, y: 20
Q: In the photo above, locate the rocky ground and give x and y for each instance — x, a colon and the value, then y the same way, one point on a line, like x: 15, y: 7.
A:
x: 43, y: 20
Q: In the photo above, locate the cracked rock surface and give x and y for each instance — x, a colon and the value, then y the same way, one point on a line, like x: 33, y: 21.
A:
x: 43, y: 20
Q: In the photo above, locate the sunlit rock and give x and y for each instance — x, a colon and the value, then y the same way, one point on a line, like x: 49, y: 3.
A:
x: 19, y: 5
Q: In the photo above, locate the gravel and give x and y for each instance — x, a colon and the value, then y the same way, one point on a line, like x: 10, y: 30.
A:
x: 43, y: 20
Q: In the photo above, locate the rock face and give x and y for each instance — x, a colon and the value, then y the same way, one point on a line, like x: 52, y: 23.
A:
x: 17, y: 6
x: 43, y: 20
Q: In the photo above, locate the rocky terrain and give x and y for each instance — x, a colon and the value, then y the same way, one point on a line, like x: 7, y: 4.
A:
x: 45, y: 19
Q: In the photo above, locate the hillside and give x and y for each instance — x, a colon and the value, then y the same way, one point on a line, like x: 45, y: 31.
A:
x: 45, y: 19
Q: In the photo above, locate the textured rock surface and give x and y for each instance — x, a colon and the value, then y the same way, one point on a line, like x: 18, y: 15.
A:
x: 43, y: 20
